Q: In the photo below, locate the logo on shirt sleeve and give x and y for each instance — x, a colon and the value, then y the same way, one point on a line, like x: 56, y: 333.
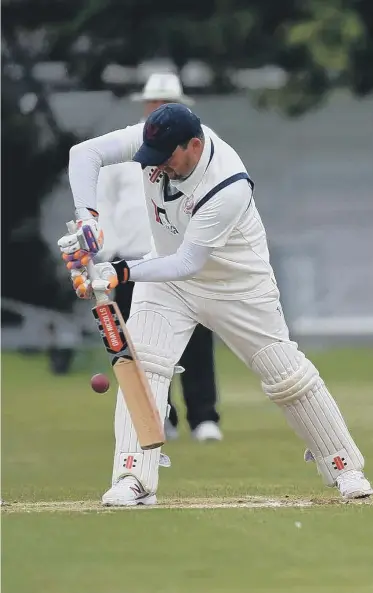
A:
x: 162, y: 218
x: 155, y: 175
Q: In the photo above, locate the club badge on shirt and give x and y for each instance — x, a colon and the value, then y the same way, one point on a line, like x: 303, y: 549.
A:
x: 188, y: 206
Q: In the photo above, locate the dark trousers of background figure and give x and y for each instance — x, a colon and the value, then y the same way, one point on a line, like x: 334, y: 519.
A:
x: 60, y: 359
x: 198, y: 380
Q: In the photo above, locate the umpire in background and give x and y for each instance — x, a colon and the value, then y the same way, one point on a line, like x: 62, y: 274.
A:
x: 124, y: 220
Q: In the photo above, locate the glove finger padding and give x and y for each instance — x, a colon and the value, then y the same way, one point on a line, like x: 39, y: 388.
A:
x: 78, y: 277
x: 81, y: 283
x: 84, y: 291
x: 77, y: 259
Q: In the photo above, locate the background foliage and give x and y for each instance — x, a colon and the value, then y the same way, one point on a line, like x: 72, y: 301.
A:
x: 322, y: 45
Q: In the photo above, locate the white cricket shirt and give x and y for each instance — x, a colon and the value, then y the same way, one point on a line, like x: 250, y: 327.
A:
x: 213, y: 208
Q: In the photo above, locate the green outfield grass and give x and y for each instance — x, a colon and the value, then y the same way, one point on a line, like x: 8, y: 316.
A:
x: 57, y: 446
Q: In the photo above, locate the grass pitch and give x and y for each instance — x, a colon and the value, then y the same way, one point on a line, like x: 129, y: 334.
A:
x: 243, y: 515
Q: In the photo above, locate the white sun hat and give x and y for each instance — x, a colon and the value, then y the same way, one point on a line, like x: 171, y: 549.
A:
x: 163, y: 86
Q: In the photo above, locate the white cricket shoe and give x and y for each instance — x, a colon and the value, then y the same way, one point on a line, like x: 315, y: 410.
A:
x: 171, y: 432
x: 353, y: 484
x: 127, y: 492
x: 164, y: 460
x: 207, y: 431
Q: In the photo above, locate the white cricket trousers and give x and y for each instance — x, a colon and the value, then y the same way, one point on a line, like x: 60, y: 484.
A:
x: 256, y: 331
x: 246, y: 326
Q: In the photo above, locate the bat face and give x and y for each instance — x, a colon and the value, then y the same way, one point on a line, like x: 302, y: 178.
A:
x: 111, y: 331
x: 130, y: 376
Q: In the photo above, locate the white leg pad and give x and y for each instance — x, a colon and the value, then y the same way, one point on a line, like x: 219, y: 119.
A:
x: 152, y: 337
x: 294, y: 384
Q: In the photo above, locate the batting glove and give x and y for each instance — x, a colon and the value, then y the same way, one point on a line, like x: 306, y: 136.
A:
x: 79, y: 247
x: 82, y: 284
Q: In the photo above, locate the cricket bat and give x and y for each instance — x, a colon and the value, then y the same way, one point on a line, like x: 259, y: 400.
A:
x: 126, y: 366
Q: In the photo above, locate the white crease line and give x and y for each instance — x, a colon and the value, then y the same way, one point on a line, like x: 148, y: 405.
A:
x: 239, y: 505
x: 84, y: 506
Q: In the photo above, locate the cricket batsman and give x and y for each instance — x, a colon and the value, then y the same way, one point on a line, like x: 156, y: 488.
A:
x: 210, y: 266
x: 121, y: 204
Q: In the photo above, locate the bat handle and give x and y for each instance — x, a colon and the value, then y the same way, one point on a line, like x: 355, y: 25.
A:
x: 72, y: 226
x: 99, y: 286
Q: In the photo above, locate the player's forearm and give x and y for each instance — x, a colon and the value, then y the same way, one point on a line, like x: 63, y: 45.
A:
x: 87, y: 158
x: 185, y: 263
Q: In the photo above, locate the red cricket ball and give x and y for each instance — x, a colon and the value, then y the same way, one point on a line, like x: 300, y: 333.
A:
x: 100, y: 383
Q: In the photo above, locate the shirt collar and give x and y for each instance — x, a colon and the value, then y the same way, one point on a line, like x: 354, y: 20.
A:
x: 189, y: 185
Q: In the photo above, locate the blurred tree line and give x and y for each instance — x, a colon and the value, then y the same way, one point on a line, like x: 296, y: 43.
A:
x: 321, y: 44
